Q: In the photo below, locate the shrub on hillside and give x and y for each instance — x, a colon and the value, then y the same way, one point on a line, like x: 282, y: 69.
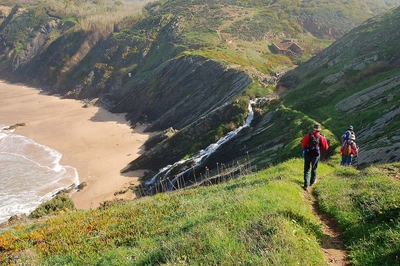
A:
x: 61, y: 202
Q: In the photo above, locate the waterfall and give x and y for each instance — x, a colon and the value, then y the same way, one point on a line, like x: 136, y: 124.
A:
x: 202, y: 155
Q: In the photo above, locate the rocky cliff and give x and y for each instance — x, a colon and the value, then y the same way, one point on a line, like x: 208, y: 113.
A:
x: 181, y: 91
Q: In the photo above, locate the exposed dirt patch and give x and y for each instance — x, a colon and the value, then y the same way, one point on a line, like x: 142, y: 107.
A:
x: 4, y: 11
x: 332, y: 245
x: 391, y: 172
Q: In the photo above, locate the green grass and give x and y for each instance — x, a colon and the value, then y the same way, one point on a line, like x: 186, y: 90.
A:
x: 257, y: 91
x: 59, y: 202
x: 259, y: 219
x: 241, y: 221
x: 366, y: 206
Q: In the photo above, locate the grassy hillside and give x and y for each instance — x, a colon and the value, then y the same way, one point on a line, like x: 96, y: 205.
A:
x: 355, y: 81
x: 259, y: 219
x: 237, y: 33
x: 86, y: 49
x: 97, y: 16
x: 263, y: 218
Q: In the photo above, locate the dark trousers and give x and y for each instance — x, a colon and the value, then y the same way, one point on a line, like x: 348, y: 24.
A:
x: 346, y: 160
x: 310, y: 162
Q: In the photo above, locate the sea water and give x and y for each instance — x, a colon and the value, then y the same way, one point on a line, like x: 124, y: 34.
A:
x: 30, y: 174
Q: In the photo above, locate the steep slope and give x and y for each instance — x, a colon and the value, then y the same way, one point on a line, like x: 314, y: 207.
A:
x: 356, y: 81
x: 258, y: 219
x: 261, y: 218
x: 191, y: 69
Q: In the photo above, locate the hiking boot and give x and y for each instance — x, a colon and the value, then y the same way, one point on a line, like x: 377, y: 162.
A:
x: 305, y: 188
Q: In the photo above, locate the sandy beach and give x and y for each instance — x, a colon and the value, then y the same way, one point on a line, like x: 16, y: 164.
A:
x: 97, y: 143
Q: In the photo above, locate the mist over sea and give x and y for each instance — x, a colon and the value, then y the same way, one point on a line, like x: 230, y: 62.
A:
x: 30, y: 174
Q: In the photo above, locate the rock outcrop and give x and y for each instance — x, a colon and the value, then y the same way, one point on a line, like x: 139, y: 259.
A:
x: 182, y: 91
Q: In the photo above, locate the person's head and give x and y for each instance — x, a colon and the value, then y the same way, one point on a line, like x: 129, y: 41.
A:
x: 352, y: 137
x: 317, y: 127
x: 350, y: 128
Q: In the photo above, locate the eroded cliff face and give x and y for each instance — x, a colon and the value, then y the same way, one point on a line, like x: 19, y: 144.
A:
x: 188, y: 140
x: 33, y: 48
x: 322, y: 28
x: 139, y: 72
x: 182, y: 91
x: 136, y: 72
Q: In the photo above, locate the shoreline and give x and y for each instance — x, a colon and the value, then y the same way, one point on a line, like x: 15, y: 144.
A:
x: 96, y: 142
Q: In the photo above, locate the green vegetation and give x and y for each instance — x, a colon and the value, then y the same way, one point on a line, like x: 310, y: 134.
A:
x: 257, y: 91
x: 324, y: 99
x: 17, y: 32
x: 236, y: 33
x: 99, y: 16
x: 366, y: 205
x: 239, y: 32
x: 259, y: 219
x: 60, y: 203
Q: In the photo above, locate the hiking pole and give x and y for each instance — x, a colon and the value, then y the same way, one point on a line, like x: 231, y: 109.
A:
x: 356, y: 159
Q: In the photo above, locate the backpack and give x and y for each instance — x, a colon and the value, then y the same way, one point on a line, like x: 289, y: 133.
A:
x: 313, y: 149
x: 347, y: 148
x: 347, y: 135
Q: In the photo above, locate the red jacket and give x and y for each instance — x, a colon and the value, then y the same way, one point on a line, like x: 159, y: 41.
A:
x: 323, y: 143
x: 353, y: 145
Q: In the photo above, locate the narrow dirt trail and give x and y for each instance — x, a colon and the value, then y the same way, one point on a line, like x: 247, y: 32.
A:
x: 332, y: 246
x: 226, y: 37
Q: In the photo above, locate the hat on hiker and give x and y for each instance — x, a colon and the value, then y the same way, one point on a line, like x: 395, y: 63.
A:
x: 352, y: 137
x: 317, y: 127
x: 350, y: 127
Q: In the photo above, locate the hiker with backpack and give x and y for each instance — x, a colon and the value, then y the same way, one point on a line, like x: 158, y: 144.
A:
x: 349, y: 132
x: 348, y: 150
x: 312, y: 144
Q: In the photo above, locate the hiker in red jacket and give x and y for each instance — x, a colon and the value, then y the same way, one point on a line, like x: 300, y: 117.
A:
x: 312, y: 145
x: 348, y: 150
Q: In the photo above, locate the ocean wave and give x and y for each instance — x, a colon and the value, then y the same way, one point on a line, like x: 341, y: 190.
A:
x: 30, y: 174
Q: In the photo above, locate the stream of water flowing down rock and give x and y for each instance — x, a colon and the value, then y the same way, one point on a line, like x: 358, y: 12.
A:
x: 196, y: 160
